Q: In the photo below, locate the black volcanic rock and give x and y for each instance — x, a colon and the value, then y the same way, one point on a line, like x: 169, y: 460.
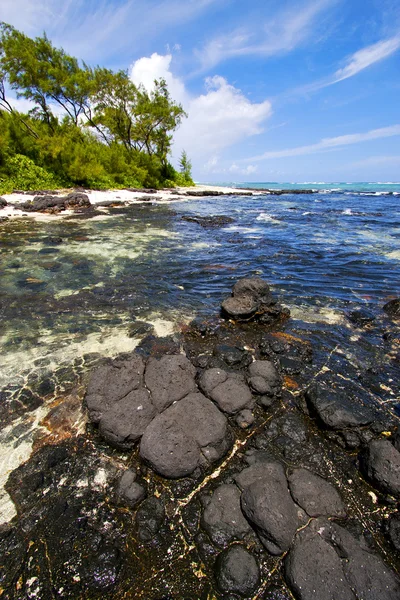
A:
x: 251, y: 297
x: 392, y: 308
x: 169, y: 379
x: 213, y: 222
x: 222, y: 518
x: 237, y: 572
x: 381, y: 464
x: 315, y: 495
x: 189, y: 434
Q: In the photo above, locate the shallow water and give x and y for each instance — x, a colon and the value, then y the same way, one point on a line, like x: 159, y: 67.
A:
x: 74, y: 286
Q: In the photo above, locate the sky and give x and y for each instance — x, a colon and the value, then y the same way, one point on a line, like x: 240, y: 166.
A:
x: 275, y: 90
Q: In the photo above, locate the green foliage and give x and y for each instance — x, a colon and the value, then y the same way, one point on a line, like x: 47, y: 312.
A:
x: 112, y: 134
x: 20, y: 172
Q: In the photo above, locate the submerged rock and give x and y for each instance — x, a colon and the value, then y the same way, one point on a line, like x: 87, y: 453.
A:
x: 392, y: 308
x: 210, y: 222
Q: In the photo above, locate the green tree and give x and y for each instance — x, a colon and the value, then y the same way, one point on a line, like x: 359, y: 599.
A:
x: 185, y: 166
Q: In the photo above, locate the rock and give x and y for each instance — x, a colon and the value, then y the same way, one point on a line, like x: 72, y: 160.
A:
x: 328, y: 563
x: 396, y: 439
x: 76, y: 199
x: 227, y: 390
x: 315, y: 495
x: 250, y: 295
x: 381, y: 464
x: 112, y: 382
x: 232, y: 396
x: 392, y: 308
x: 211, y: 378
x: 212, y: 222
x: 360, y: 318
x: 233, y: 356
x: 337, y: 410
x: 245, y: 419
x: 3, y: 202
x: 314, y: 571
x: 268, y: 506
x: 264, y: 378
x: 222, y: 518
x: 150, y: 518
x: 237, y: 572
x: 169, y: 379
x: 123, y: 424
x: 394, y: 530
x: 188, y: 434
x: 128, y: 490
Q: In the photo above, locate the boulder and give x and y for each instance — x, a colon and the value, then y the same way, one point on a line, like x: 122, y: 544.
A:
x: 3, y: 202
x: 336, y: 409
x: 124, y: 422
x: 394, y: 530
x: 328, y: 563
x: 250, y: 295
x: 222, y: 518
x: 263, y: 378
x: 76, y: 200
x: 268, y: 506
x: 190, y: 433
x: 237, y: 572
x: 314, y: 570
x: 112, y: 382
x: 169, y: 379
x: 228, y: 390
x: 315, y: 495
x: 381, y: 464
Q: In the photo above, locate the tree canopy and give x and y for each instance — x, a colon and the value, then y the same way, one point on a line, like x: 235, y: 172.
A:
x: 88, y: 125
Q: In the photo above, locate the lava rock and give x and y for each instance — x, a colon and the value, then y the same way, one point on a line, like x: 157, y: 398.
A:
x: 268, y: 506
x: 110, y: 383
x: 394, y: 530
x: 228, y: 391
x: 212, y: 222
x: 169, y: 379
x: 76, y: 199
x: 360, y: 318
x: 232, y: 356
x: 315, y: 495
x: 381, y: 464
x: 190, y: 433
x: 124, y: 423
x: 264, y: 378
x: 222, y: 518
x: 128, y: 490
x: 314, y: 570
x: 150, y: 518
x: 337, y: 410
x: 3, y: 202
x: 249, y: 296
x: 245, y: 419
x: 392, y: 308
x: 237, y: 571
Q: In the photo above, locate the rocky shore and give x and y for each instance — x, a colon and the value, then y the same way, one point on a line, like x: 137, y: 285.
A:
x: 217, y: 463
x: 92, y: 203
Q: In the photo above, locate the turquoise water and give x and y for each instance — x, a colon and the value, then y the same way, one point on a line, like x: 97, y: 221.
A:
x: 363, y: 186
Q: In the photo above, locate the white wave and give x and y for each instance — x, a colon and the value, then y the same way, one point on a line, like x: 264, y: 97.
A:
x: 267, y: 218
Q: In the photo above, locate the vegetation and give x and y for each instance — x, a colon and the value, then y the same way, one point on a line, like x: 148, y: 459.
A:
x: 88, y: 126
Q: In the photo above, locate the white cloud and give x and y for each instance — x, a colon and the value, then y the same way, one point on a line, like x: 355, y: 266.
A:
x: 331, y: 143
x: 97, y: 29
x: 282, y: 32
x: 217, y: 119
x: 367, y: 57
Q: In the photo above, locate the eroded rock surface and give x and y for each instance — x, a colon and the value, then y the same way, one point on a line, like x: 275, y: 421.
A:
x: 381, y: 464
x: 222, y: 518
x: 315, y: 495
x: 237, y: 572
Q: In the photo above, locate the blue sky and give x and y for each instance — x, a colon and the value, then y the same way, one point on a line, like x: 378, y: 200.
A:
x: 289, y: 90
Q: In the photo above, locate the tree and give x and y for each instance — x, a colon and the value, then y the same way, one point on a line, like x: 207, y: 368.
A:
x: 185, y: 166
